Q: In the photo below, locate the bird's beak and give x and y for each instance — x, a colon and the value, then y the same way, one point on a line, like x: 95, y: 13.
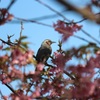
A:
x: 53, y: 42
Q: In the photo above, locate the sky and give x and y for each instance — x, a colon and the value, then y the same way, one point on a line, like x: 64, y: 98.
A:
x: 31, y: 9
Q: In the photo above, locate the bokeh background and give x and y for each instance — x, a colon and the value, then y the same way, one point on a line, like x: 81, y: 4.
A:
x: 36, y: 33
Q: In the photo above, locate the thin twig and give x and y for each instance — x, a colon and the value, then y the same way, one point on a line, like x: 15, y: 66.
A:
x: 8, y: 43
x: 81, y: 38
x: 90, y: 36
x: 48, y: 17
x: 32, y: 21
x: 81, y: 20
x: 53, y: 10
x: 73, y: 78
x: 39, y: 18
x: 81, y: 11
x: 85, y: 18
x: 11, y: 89
x: 21, y: 29
x: 30, y: 85
x: 2, y: 95
x: 11, y: 3
x: 19, y: 41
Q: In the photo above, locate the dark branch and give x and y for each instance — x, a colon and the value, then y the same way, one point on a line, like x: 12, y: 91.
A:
x: 83, y: 12
x: 8, y: 43
x: 52, y: 10
x: 32, y: 21
x: 11, y: 89
x: 81, y: 38
x: 39, y: 18
x: 11, y: 3
x: 73, y: 78
x: 90, y: 36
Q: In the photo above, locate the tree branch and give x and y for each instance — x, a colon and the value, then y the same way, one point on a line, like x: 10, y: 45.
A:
x: 11, y: 89
x: 73, y: 78
x: 84, y: 12
x: 11, y: 3
x: 52, y: 9
x: 32, y: 21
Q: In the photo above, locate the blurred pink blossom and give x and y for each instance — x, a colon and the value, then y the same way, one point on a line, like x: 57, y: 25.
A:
x: 40, y: 66
x: 66, y: 30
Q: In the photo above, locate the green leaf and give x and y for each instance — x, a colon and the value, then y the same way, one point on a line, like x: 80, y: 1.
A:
x: 23, y: 37
x: 25, y: 44
x: 7, y: 48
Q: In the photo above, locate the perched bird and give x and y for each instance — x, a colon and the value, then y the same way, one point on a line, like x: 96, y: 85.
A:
x: 44, y: 51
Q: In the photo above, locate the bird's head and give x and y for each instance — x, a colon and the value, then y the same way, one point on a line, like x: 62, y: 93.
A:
x: 47, y: 43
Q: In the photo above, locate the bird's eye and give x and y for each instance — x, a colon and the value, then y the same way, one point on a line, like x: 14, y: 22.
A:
x: 48, y: 42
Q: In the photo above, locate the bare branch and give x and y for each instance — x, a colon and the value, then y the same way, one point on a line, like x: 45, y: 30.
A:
x: 11, y: 89
x: 53, y: 10
x: 32, y: 21
x: 2, y: 95
x: 11, y: 3
x: 90, y: 36
x: 19, y: 41
x: 39, y: 18
x: 73, y: 78
x: 86, y: 13
x: 81, y: 38
x: 8, y: 43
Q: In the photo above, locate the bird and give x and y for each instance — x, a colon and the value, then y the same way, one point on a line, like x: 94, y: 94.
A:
x: 44, y: 51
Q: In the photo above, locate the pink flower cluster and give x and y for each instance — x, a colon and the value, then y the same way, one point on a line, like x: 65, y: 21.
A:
x: 21, y: 58
x: 5, y: 16
x: 85, y: 86
x: 66, y: 30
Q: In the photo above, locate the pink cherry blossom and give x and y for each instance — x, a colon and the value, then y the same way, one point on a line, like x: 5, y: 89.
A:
x: 66, y: 30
